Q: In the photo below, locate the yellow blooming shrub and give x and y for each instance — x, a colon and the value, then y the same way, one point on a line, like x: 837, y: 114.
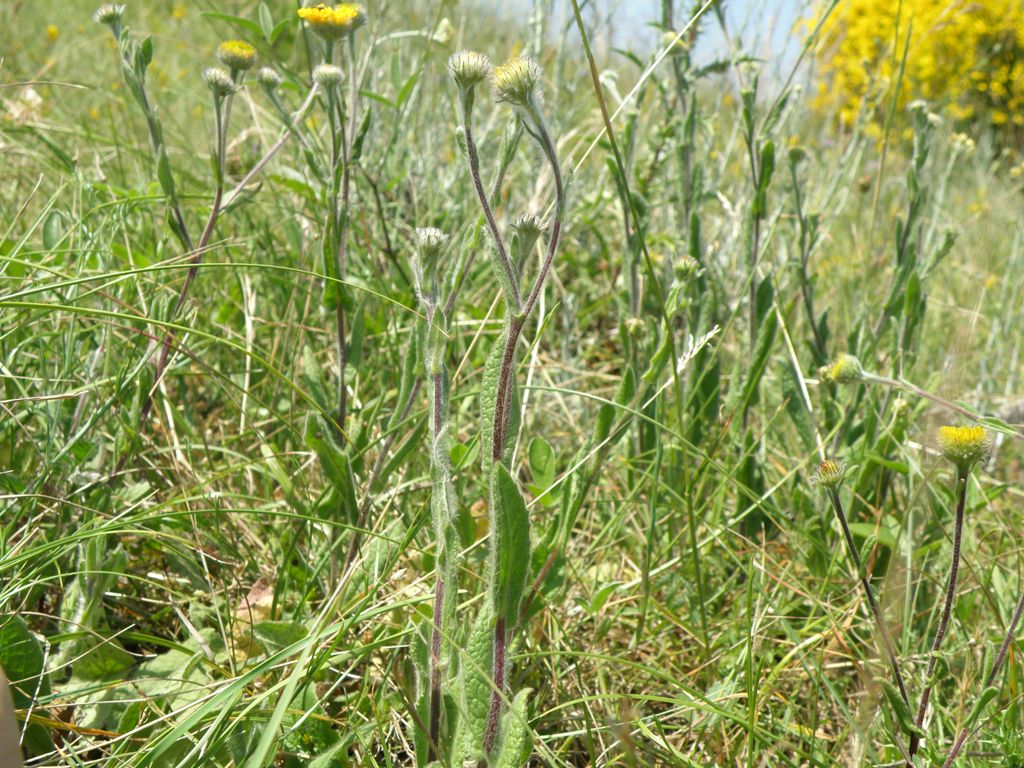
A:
x: 966, y: 57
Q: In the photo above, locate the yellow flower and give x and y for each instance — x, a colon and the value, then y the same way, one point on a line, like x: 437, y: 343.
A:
x: 236, y: 54
x: 964, y: 446
x: 333, y: 23
x: 52, y: 32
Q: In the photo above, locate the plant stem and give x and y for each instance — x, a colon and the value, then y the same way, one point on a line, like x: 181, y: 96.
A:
x: 494, y: 713
x: 947, y: 608
x: 1011, y: 631
x: 502, y: 409
x: 876, y: 611
x: 492, y: 224
x: 435, y: 670
x: 221, y: 114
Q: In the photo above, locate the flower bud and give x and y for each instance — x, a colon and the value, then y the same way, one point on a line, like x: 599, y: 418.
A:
x: 109, y: 14
x: 830, y: 473
x: 468, y: 69
x: 845, y: 369
x: 430, y: 241
x: 685, y: 268
x: 516, y: 81
x: 268, y: 78
x: 219, y: 81
x: 328, y: 76
x: 236, y: 55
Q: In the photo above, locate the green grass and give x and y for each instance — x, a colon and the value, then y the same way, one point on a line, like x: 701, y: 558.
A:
x: 180, y: 593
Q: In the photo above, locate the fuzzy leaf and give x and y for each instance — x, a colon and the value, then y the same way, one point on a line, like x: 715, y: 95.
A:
x: 512, y: 546
x: 476, y: 685
x: 516, y: 739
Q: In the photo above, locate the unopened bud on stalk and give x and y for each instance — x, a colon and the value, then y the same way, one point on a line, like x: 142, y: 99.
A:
x: 328, y: 76
x: 109, y: 14
x: 268, y: 78
x: 830, y: 473
x: 845, y: 369
x: 468, y: 69
x: 516, y: 81
x: 219, y: 82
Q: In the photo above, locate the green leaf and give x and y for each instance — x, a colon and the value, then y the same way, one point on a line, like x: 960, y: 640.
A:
x: 476, y: 685
x: 884, y: 536
x: 276, y: 635
x: 900, y: 708
x: 266, y: 22
x: 247, y: 24
x: 512, y: 546
x: 767, y: 327
x: 333, y: 461
x: 21, y: 656
x: 516, y: 739
x: 542, y: 466
x: 53, y: 230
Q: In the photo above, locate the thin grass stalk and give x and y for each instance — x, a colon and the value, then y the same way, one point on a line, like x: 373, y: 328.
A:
x: 876, y: 611
x: 947, y: 609
x: 1011, y: 632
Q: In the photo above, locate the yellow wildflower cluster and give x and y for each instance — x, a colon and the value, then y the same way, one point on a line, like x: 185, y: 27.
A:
x: 965, y: 57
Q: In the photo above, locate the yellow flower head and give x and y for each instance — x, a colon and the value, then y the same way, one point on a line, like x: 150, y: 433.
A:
x: 516, y: 80
x: 964, y: 446
x: 334, y: 23
x: 830, y: 473
x: 236, y: 55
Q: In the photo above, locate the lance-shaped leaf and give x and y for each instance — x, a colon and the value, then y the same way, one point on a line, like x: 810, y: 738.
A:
x: 476, y: 686
x: 511, y: 546
x: 516, y: 742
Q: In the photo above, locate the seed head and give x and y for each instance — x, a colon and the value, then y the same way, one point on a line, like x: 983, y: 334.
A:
x: 109, y: 14
x: 236, y: 55
x: 268, y: 78
x: 845, y: 369
x: 964, y: 446
x: 328, y: 76
x: 219, y: 81
x: 516, y: 81
x: 468, y: 69
x: 830, y: 473
x: 334, y: 23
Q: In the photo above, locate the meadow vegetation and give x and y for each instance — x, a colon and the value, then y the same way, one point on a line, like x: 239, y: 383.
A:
x: 415, y: 384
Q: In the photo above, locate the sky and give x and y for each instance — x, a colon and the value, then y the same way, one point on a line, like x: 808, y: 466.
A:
x: 764, y: 26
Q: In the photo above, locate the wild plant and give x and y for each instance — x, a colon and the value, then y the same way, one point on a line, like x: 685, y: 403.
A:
x: 473, y: 713
x: 336, y: 27
x: 964, y: 447
x: 238, y: 58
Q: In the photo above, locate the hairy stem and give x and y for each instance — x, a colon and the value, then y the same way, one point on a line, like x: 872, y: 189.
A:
x: 492, y: 224
x: 498, y: 680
